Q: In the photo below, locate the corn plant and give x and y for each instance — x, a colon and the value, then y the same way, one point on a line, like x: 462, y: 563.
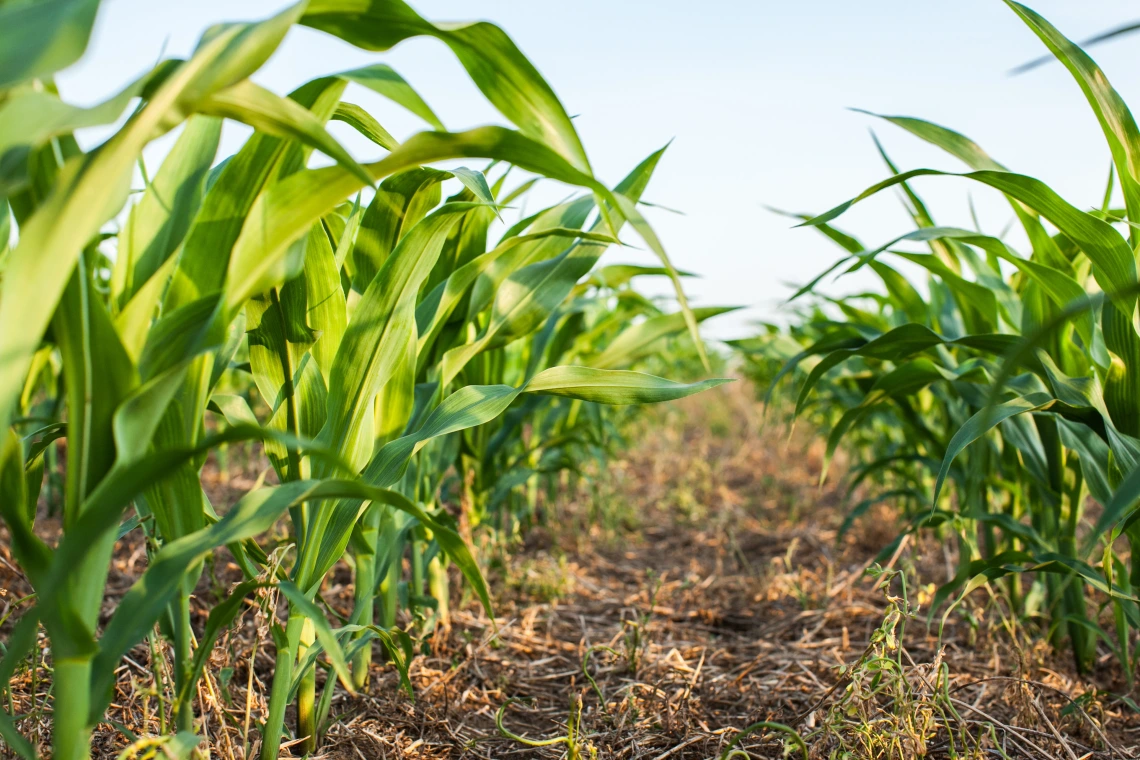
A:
x: 533, y: 250
x: 391, y: 426
x: 121, y: 345
x: 994, y: 399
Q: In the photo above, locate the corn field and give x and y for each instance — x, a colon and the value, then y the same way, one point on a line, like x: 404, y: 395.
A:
x: 366, y: 333
x: 993, y: 398
x: 429, y: 373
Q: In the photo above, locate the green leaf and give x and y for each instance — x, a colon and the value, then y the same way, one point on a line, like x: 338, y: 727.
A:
x: 903, y: 380
x: 31, y: 116
x: 181, y: 745
x: 984, y: 421
x: 382, y: 323
x: 613, y: 386
x: 151, y: 593
x: 476, y: 404
x: 495, y: 64
x: 157, y: 224
x: 632, y: 342
x: 400, y: 203
x: 235, y: 186
x: 630, y: 212
x: 1111, y: 111
x: 1120, y: 506
x: 1115, y: 267
x: 8, y: 731
x: 269, y: 113
x: 92, y: 189
x: 39, y: 39
x: 310, y: 611
x: 957, y: 145
x: 476, y: 183
x: 900, y: 343
x: 364, y: 123
x: 29, y: 549
x: 384, y: 80
x: 434, y: 311
x: 616, y: 275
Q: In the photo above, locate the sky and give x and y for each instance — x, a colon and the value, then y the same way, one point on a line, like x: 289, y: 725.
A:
x: 755, y: 96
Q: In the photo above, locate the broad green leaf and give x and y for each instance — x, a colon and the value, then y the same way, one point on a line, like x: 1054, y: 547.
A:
x: 148, y: 597
x: 39, y: 39
x: 237, y: 185
x: 92, y: 189
x: 401, y: 201
x: 984, y: 421
x: 384, y: 80
x: 495, y: 64
x: 957, y: 145
x: 160, y: 220
x: 613, y: 386
x: 326, y: 311
x: 1115, y: 266
x: 364, y: 123
x: 31, y: 116
x: 382, y: 323
x: 637, y: 221
x: 436, y: 309
x: 1123, y: 501
x: 1115, y: 119
x: 266, y: 112
x: 474, y: 405
x: 284, y: 213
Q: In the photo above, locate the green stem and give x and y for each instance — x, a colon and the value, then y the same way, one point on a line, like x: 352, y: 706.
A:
x: 282, y: 680
x: 363, y: 614
x: 390, y: 594
x: 1132, y: 585
x: 184, y: 719
x: 417, y: 585
x: 307, y: 694
x: 1013, y: 581
x: 71, y: 734
x: 440, y: 590
x: 1084, y: 645
x: 287, y: 391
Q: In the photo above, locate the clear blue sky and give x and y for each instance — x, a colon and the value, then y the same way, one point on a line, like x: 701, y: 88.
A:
x: 753, y: 93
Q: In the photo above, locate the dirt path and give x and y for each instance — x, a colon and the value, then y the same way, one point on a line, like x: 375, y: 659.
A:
x: 704, y: 572
x: 707, y: 561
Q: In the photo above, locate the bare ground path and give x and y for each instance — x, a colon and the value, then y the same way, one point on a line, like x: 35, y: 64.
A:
x: 704, y: 572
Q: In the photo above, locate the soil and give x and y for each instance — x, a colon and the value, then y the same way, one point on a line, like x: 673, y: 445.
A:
x: 703, y: 573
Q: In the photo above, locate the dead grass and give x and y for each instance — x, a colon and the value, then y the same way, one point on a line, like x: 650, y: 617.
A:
x: 705, y: 562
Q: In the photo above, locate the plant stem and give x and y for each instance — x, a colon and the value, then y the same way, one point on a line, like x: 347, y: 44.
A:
x: 390, y: 593
x: 282, y: 680
x: 71, y: 734
x: 363, y: 614
x: 184, y: 719
x: 438, y: 584
x: 307, y: 694
x: 287, y: 390
x: 417, y: 584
